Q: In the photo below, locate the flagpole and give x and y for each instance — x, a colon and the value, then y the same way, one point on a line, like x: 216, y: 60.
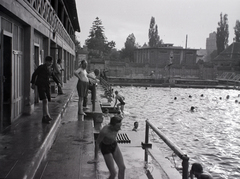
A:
x: 170, y: 63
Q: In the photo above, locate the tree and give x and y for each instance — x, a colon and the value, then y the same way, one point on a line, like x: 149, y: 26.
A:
x: 154, y: 38
x: 77, y: 45
x: 222, y: 34
x: 130, y: 46
x: 237, y: 31
x: 109, y: 46
x: 97, y: 42
x: 114, y: 55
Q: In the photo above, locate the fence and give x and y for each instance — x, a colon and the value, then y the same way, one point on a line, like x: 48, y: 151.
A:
x: 170, y: 144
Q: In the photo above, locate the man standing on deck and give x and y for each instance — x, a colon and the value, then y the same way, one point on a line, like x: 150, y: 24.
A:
x: 40, y: 78
x: 91, y: 86
x: 82, y: 85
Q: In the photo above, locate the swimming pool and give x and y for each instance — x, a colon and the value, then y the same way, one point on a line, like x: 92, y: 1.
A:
x: 209, y: 135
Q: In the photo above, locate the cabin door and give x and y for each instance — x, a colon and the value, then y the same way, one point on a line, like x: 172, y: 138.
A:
x: 5, y: 79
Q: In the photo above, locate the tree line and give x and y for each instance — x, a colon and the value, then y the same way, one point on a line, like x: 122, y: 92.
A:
x: 100, y: 47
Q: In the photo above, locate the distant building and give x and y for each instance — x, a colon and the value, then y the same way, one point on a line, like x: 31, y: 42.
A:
x: 145, y: 45
x: 211, y: 46
x: 160, y: 56
x: 163, y: 61
x: 229, y: 59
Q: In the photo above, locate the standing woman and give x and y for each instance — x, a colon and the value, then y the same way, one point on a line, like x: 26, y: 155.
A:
x: 82, y: 85
x: 109, y: 147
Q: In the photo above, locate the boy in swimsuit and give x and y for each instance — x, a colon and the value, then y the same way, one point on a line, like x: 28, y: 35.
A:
x: 121, y: 99
x: 109, y: 148
x: 40, y: 78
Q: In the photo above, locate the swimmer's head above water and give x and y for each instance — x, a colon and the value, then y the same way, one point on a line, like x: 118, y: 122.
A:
x: 197, y: 171
x: 135, y: 126
x: 192, y: 108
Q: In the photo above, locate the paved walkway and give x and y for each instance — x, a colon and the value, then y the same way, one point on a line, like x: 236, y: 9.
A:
x: 72, y: 148
x: 27, y: 140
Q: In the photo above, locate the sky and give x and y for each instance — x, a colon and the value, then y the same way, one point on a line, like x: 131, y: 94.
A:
x: 176, y: 19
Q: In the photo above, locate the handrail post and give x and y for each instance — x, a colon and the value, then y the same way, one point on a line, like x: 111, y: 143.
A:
x: 177, y: 151
x: 146, y: 142
x: 185, y: 165
x: 93, y: 97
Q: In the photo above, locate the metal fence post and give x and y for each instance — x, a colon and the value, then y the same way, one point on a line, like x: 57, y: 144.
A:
x: 171, y: 145
x: 185, y: 165
x: 93, y: 97
x: 146, y: 142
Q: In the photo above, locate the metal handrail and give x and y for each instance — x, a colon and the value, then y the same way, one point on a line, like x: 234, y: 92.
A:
x: 104, y: 83
x: 176, y: 150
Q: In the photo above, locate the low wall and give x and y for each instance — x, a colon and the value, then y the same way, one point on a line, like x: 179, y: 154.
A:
x: 178, y: 83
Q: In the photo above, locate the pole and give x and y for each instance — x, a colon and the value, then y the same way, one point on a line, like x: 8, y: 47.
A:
x: 93, y: 97
x: 185, y: 167
x: 146, y: 142
x: 186, y: 41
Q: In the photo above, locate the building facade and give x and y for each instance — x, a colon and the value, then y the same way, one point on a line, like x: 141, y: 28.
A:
x: 31, y: 30
x: 161, y: 56
x: 228, y: 60
x: 211, y: 47
x: 211, y: 44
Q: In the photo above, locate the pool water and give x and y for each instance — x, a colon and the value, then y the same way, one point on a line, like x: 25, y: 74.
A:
x: 209, y: 135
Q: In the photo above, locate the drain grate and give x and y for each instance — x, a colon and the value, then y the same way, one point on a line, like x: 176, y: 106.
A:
x: 123, y: 138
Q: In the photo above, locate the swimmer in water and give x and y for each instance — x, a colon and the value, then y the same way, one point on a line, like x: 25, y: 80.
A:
x: 192, y: 109
x: 197, y: 171
x: 135, y: 126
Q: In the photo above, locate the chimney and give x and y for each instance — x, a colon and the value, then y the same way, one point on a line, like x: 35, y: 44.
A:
x: 186, y: 42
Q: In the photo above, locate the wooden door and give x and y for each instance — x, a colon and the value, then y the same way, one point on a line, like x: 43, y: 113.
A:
x: 17, y: 84
x: 6, y: 79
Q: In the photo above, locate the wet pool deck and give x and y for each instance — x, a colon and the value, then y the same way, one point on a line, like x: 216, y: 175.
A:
x: 30, y: 149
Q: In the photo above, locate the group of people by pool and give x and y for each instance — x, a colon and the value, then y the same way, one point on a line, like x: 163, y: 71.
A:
x: 111, y: 152
x: 106, y: 141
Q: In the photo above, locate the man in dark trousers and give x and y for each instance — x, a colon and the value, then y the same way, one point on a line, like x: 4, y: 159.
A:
x: 93, y: 80
x: 40, y: 78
